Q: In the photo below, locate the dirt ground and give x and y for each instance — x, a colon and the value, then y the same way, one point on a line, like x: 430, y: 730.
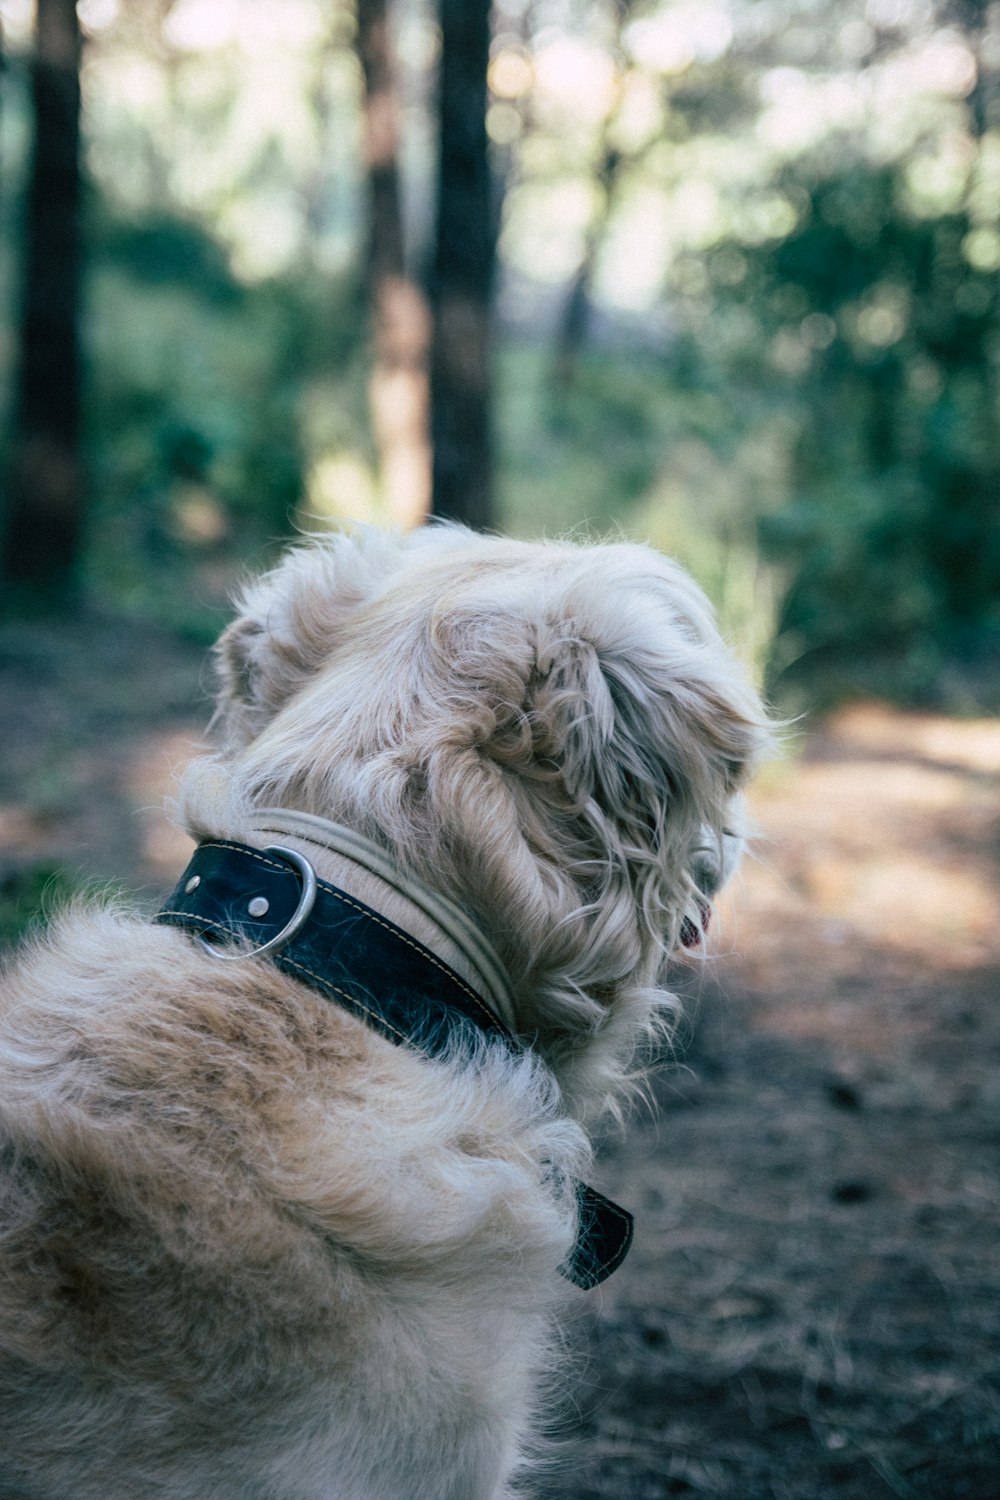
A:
x: 811, y: 1308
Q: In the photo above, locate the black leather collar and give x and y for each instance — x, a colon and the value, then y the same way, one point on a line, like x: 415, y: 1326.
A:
x: 356, y: 957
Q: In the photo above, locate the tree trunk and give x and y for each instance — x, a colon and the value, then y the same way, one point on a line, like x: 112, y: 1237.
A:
x: 573, y: 324
x: 572, y: 328
x: 398, y: 393
x: 44, y: 520
x: 463, y: 273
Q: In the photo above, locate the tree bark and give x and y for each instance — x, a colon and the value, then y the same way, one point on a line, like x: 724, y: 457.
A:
x: 463, y: 273
x: 45, y: 515
x: 398, y: 391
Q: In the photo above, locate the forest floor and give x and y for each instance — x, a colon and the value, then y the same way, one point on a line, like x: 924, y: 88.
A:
x: 811, y: 1310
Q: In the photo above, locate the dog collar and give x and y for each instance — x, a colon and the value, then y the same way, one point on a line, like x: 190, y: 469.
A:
x: 274, y: 825
x: 354, y: 956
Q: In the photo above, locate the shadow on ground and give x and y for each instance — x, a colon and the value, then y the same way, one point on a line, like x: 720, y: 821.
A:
x: 811, y: 1308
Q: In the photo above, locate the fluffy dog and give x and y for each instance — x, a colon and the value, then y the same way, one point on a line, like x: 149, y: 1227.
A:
x: 251, y: 1248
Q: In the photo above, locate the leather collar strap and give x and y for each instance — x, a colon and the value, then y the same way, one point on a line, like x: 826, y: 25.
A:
x: 359, y: 959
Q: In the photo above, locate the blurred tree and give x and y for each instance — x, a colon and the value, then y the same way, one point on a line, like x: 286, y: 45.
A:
x: 398, y: 392
x: 885, y: 335
x: 463, y: 272
x: 44, y: 518
x: 571, y: 330
x: 574, y: 318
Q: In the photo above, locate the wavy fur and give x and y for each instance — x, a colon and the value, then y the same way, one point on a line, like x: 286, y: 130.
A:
x: 249, y: 1249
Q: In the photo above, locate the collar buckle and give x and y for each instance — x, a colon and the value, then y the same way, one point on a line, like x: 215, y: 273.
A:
x: 297, y: 920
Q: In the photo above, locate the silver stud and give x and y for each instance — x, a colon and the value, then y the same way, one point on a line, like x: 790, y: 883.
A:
x: 259, y: 906
x: 192, y: 884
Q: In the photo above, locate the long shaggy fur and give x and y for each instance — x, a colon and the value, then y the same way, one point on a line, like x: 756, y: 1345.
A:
x: 248, y: 1248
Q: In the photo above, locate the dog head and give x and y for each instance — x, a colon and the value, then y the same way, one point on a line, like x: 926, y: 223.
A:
x: 552, y: 735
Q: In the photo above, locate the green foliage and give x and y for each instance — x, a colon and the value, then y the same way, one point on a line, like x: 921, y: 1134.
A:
x: 870, y: 324
x: 194, y: 421
x: 161, y: 249
x: 26, y: 896
x: 580, y: 457
x: 627, y: 447
x: 814, y: 195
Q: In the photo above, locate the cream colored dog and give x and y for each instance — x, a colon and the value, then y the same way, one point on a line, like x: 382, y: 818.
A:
x: 250, y: 1249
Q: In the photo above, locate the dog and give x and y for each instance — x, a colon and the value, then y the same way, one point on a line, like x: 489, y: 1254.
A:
x: 262, y: 1238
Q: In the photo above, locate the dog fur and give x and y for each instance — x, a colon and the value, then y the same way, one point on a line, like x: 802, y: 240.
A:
x: 249, y: 1249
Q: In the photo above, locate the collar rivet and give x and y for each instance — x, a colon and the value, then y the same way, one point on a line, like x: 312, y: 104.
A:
x: 259, y: 906
x: 192, y: 884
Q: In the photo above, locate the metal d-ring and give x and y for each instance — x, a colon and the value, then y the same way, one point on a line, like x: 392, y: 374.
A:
x: 299, y: 916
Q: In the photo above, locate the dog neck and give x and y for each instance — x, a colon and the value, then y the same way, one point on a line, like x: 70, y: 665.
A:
x: 328, y: 939
x: 361, y: 868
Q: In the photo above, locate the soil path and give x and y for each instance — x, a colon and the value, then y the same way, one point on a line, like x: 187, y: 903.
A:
x: 811, y: 1308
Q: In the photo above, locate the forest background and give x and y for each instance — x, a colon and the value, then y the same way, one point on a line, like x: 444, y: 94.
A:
x: 745, y: 302
x: 723, y: 274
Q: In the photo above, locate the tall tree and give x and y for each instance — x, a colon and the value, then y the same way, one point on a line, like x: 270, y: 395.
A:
x: 44, y: 518
x: 398, y: 394
x: 610, y: 163
x: 463, y: 272
x: 571, y: 329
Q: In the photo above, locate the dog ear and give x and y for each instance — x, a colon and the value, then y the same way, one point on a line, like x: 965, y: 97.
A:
x: 597, y: 731
x: 656, y: 734
x: 290, y: 621
x: 622, y: 727
x: 648, y: 715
